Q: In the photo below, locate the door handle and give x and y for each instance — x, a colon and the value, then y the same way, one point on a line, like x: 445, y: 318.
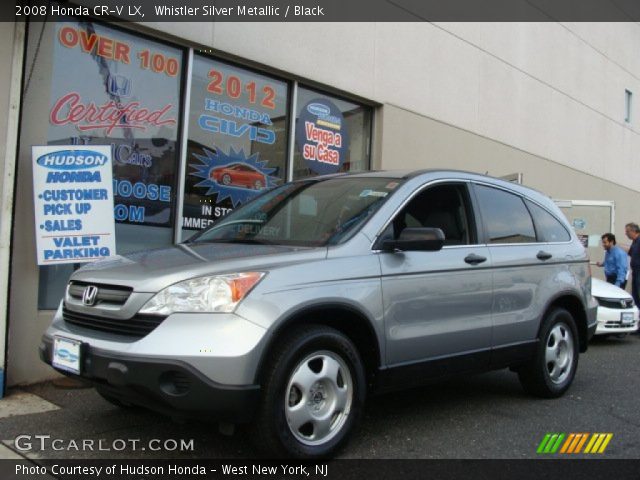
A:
x: 542, y: 255
x: 474, y: 259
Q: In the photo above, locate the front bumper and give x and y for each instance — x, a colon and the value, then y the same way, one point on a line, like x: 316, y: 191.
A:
x: 171, y: 387
x: 609, y: 321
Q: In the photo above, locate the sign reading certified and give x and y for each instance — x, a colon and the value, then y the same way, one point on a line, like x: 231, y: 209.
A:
x: 321, y: 135
x: 73, y: 196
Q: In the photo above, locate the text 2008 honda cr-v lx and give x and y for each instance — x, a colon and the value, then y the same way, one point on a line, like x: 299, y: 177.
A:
x: 289, y: 311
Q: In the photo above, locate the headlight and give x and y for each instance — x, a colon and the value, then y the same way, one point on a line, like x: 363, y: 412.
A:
x: 219, y: 293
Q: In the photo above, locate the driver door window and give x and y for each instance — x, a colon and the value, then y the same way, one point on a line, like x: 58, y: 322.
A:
x: 443, y: 206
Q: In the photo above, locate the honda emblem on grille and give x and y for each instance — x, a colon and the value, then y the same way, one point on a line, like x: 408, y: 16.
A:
x: 89, y: 295
x: 623, y: 303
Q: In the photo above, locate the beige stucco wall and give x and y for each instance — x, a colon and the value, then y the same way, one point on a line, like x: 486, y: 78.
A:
x: 26, y: 323
x: 555, y: 90
x: 8, y: 125
x: 410, y: 140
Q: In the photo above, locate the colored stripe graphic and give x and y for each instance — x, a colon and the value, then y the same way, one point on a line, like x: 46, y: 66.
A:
x: 573, y: 443
x: 550, y: 443
x: 592, y: 442
x: 581, y: 442
x: 543, y: 443
x: 566, y: 445
x: 598, y: 443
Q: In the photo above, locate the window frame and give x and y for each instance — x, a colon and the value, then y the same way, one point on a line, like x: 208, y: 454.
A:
x: 473, y: 218
x: 528, y: 201
x: 328, y: 93
x: 628, y: 105
x: 486, y: 237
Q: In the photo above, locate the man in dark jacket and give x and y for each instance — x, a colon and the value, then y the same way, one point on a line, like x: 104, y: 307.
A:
x: 632, y: 231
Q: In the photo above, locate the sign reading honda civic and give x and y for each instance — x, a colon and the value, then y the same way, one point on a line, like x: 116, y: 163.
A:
x: 73, y: 197
x: 321, y: 136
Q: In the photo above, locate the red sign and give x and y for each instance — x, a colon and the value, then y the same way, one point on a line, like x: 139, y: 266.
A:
x: 69, y: 109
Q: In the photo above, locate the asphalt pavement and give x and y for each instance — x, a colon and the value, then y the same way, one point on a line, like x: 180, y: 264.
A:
x: 480, y: 417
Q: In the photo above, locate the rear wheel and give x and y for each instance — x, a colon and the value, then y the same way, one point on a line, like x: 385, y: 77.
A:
x: 551, y: 371
x: 314, y: 390
x: 226, y: 179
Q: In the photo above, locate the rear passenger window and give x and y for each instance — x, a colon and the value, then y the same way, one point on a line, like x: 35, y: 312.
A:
x: 548, y: 227
x: 505, y: 216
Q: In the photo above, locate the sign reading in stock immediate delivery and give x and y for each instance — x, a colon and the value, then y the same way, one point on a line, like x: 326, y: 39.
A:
x: 73, y: 196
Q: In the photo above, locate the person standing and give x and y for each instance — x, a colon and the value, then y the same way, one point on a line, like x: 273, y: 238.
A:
x: 632, y: 231
x: 615, y: 261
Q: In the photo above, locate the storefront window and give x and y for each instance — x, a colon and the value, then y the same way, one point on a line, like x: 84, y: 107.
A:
x: 88, y: 83
x: 237, y: 140
x: 108, y: 87
x: 332, y: 135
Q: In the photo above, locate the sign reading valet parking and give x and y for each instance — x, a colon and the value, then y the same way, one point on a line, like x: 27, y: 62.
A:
x: 73, y: 197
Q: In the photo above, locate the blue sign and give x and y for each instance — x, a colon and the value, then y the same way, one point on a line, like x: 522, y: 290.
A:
x: 579, y: 223
x: 73, y: 200
x: 321, y: 136
x: 72, y: 159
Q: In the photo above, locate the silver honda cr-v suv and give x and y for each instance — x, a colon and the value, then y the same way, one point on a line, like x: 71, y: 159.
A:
x: 287, y: 312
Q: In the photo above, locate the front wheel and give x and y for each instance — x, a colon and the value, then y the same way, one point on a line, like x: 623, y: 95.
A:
x: 551, y: 371
x: 314, y: 390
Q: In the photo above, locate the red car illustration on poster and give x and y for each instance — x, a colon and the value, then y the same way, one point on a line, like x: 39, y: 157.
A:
x: 238, y: 175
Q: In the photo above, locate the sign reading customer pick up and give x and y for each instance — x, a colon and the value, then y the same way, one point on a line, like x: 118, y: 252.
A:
x: 73, y: 197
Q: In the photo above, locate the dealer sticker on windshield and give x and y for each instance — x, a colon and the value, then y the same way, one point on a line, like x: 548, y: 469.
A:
x: 66, y: 354
x: 373, y: 193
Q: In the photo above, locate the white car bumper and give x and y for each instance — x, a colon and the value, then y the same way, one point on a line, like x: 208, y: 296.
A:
x: 610, y: 320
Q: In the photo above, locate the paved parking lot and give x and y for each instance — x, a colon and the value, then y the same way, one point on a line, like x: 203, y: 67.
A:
x: 486, y: 416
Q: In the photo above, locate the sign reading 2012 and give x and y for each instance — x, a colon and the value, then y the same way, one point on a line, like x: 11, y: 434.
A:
x: 73, y: 199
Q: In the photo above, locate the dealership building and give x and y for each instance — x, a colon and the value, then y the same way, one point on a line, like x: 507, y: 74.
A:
x: 201, y: 117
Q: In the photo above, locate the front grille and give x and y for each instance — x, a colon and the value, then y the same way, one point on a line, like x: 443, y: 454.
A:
x: 615, y: 303
x: 114, y: 294
x: 137, y: 326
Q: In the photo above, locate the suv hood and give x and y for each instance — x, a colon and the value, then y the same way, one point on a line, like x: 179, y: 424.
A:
x: 153, y: 270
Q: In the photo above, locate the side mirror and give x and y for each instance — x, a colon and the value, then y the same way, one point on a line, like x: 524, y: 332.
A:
x: 416, y: 239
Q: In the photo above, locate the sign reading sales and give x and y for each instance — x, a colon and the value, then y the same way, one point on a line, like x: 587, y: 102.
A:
x: 73, y: 196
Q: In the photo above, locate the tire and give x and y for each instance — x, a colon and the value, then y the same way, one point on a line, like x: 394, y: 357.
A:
x: 226, y: 179
x: 313, y: 394
x: 257, y: 185
x: 551, y: 371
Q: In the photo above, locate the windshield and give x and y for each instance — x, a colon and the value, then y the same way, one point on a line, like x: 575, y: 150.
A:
x: 306, y: 213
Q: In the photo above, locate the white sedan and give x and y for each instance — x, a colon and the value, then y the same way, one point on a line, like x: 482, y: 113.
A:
x: 616, y: 312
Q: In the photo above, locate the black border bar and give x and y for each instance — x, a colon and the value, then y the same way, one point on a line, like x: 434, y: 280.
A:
x: 327, y: 10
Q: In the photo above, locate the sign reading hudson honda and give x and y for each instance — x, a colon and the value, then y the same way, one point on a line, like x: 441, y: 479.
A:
x: 73, y: 197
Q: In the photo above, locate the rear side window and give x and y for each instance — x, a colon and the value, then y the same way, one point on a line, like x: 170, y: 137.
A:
x: 548, y: 227
x: 505, y: 216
